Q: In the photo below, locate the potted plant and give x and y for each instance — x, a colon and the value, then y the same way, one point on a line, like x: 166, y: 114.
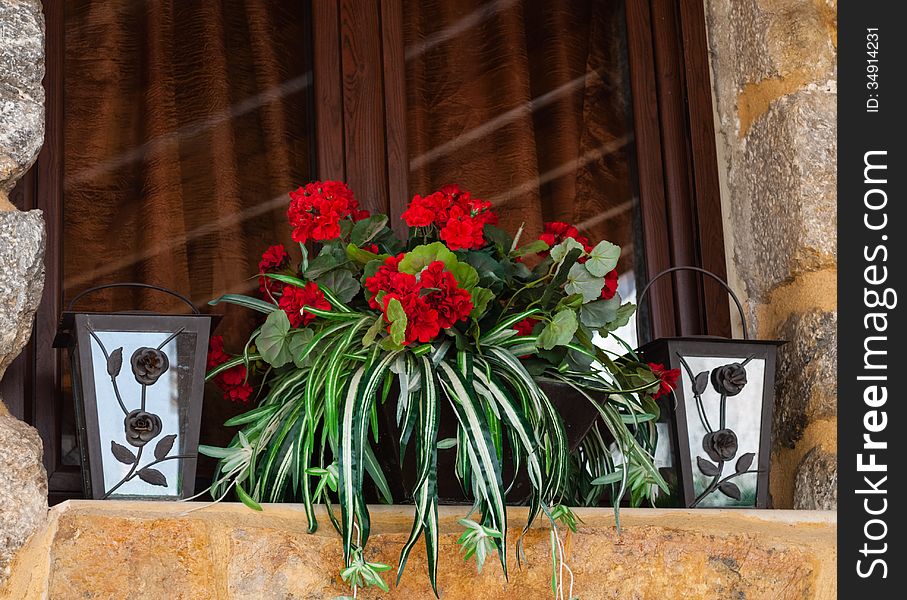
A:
x: 448, y: 345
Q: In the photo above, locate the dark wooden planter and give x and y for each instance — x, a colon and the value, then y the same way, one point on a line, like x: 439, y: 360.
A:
x: 576, y: 411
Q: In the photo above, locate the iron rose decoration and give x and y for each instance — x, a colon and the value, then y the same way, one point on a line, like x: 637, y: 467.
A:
x: 729, y: 379
x: 141, y: 427
x: 720, y: 445
x: 148, y: 364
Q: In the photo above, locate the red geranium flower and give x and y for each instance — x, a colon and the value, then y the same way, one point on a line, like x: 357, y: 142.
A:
x: 274, y: 259
x: 432, y: 300
x: 317, y: 208
x: 525, y: 326
x: 667, y: 379
x: 610, y: 284
x: 232, y: 382
x: 418, y: 214
x: 459, y: 217
x: 463, y: 233
x: 216, y: 354
x: 294, y: 298
x: 556, y: 232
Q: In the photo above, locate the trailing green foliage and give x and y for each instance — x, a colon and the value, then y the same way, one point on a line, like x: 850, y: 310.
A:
x: 329, y: 386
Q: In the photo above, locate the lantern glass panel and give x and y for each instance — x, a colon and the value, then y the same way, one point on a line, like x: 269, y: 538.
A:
x: 742, y: 417
x: 138, y: 382
x: 168, y: 399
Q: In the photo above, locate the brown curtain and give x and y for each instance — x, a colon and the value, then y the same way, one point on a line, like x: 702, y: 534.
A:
x: 526, y: 104
x: 186, y: 123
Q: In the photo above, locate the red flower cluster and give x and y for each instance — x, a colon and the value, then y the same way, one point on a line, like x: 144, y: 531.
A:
x: 460, y: 217
x: 556, y: 232
x: 667, y: 379
x: 232, y: 381
x: 525, y: 326
x: 610, y: 284
x: 317, y: 208
x: 273, y: 260
x: 432, y: 301
x: 294, y: 298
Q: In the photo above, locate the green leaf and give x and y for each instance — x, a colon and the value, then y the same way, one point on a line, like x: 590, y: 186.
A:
x: 215, y: 452
x: 237, y: 360
x: 599, y: 313
x: 555, y: 286
x: 272, y: 340
x: 374, y: 470
x: 376, y: 328
x: 425, y: 492
x: 471, y: 417
x: 362, y: 389
x: 422, y: 256
x: 492, y: 273
x: 320, y: 265
x: 530, y: 248
x: 603, y: 258
x: 465, y: 274
x: 246, y: 498
x: 366, y: 229
x: 559, y: 331
x: 262, y: 412
x: 398, y: 321
x: 581, y: 281
x: 480, y: 299
x: 622, y: 318
x: 299, y: 340
x: 363, y: 257
x: 447, y: 443
x: 341, y: 282
x: 559, y: 251
x: 610, y: 478
x: 573, y: 301
x: 499, y: 238
x: 245, y: 301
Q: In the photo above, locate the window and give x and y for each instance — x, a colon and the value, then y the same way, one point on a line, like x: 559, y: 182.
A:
x: 175, y: 129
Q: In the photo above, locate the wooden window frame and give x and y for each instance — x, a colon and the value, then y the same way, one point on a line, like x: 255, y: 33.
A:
x: 360, y: 126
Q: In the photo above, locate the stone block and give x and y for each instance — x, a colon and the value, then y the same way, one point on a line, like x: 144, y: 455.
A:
x: 807, y: 381
x: 23, y: 488
x: 784, y: 198
x: 23, y: 481
x: 112, y: 549
x: 21, y: 279
x: 816, y: 485
x: 21, y: 92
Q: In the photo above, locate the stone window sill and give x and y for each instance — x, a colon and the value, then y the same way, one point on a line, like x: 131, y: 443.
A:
x: 93, y: 549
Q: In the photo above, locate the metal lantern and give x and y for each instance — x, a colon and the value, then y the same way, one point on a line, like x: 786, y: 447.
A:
x: 138, y: 382
x: 716, y: 426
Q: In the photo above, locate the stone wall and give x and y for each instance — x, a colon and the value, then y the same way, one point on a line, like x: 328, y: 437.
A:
x: 774, y: 76
x: 94, y: 549
x: 23, y: 482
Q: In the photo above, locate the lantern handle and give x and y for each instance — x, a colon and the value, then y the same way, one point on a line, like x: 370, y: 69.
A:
x: 723, y: 283
x: 135, y: 285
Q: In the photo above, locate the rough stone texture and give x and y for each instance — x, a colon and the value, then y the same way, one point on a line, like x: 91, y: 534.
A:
x: 808, y: 386
x: 775, y: 85
x: 130, y: 550
x: 788, y: 173
x: 21, y: 279
x: 817, y: 481
x: 21, y: 92
x: 23, y: 484
x: 23, y: 488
